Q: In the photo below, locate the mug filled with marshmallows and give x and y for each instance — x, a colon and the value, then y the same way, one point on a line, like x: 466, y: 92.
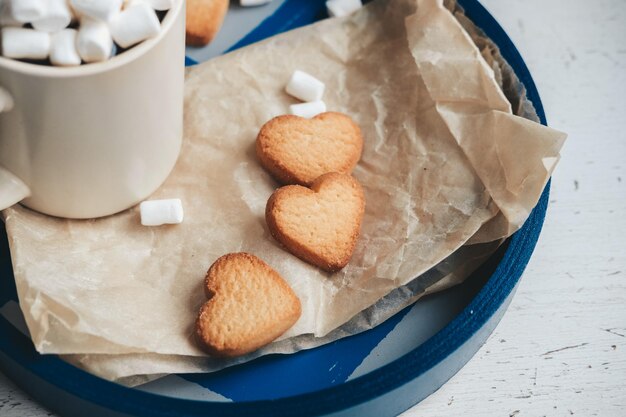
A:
x: 91, y: 102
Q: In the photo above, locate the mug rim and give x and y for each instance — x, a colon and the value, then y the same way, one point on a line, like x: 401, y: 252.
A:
x: 117, y: 61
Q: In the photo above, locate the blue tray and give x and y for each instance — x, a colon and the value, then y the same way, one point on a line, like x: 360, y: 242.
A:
x: 381, y: 372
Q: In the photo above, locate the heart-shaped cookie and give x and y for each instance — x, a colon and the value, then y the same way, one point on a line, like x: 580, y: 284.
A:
x: 321, y: 224
x: 203, y: 20
x: 249, y: 306
x: 296, y: 150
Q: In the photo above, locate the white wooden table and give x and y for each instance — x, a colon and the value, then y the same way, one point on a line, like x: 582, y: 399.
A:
x: 561, y: 348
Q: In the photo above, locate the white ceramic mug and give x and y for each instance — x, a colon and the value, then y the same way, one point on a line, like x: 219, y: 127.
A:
x: 93, y: 140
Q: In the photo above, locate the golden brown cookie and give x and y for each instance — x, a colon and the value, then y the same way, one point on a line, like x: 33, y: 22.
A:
x: 204, y: 20
x: 249, y: 306
x: 319, y: 225
x: 296, y: 150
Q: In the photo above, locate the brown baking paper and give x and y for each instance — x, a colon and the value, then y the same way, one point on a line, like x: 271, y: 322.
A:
x: 444, y: 161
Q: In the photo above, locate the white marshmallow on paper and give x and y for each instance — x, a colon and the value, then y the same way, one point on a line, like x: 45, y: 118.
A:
x: 339, y: 8
x: 308, y: 110
x: 134, y: 24
x: 57, y: 16
x: 63, y: 48
x: 97, y: 9
x: 27, y: 11
x: 22, y: 43
x: 305, y: 86
x: 159, y: 212
x: 93, y: 42
x: 246, y: 3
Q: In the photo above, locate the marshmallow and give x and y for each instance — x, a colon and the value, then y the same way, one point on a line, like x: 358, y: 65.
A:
x: 97, y: 9
x: 134, y: 24
x: 308, y: 110
x: 159, y: 212
x: 63, y: 49
x: 338, y: 8
x: 22, y: 43
x: 161, y: 4
x: 27, y: 11
x: 94, y: 41
x: 58, y: 16
x: 253, y: 2
x: 305, y: 86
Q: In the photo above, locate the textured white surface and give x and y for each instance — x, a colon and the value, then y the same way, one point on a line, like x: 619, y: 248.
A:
x: 561, y: 348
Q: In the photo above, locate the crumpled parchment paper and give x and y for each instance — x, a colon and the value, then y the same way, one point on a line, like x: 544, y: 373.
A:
x: 444, y: 161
